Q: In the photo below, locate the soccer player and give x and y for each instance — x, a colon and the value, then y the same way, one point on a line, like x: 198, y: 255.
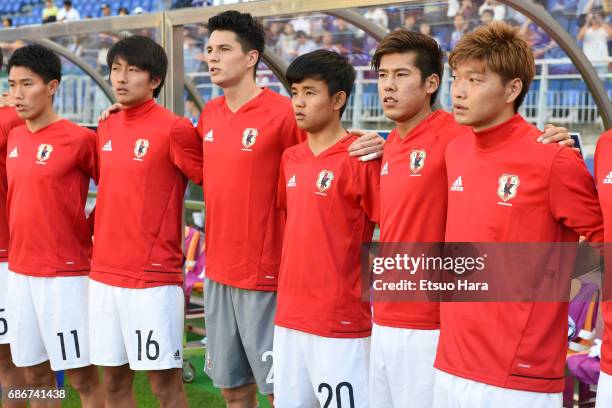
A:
x: 244, y: 134
x: 323, y: 326
x: 49, y: 165
x: 413, y: 210
x: 137, y: 303
x: 603, y: 176
x: 11, y: 377
x: 507, y: 354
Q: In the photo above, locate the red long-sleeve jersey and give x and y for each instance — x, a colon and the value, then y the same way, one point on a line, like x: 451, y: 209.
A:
x: 242, y: 154
x: 146, y: 154
x: 506, y: 187
x: 413, y: 205
x: 8, y: 120
x: 332, y: 203
x: 48, y: 175
x: 603, y: 176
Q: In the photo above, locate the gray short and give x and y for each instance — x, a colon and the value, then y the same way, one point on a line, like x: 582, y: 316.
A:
x: 239, y: 332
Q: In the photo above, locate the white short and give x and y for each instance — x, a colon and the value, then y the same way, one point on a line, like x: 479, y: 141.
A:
x: 457, y: 392
x: 49, y: 320
x: 312, y: 371
x: 4, y: 324
x: 604, y: 391
x: 142, y: 327
x: 401, y: 367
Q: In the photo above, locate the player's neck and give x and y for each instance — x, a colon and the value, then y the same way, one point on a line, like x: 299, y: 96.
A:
x: 47, y: 117
x: 323, y: 139
x: 501, y: 117
x: 406, y: 126
x: 236, y: 96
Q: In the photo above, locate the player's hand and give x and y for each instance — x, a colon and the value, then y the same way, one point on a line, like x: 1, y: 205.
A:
x: 554, y: 134
x: 116, y: 107
x: 368, y: 146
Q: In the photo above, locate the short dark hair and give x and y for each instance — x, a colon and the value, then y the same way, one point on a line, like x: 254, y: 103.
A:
x: 39, y: 60
x: 144, y: 53
x: 327, y: 66
x: 249, y: 33
x: 68, y: 3
x: 429, y: 57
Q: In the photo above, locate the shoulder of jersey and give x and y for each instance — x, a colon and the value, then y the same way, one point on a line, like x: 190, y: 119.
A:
x: 78, y: 132
x: 606, y: 137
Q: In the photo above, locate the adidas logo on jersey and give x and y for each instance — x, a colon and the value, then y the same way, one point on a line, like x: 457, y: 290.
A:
x: 177, y: 355
x: 14, y: 153
x: 457, y: 185
x: 385, y: 169
x: 606, y: 180
x: 108, y: 147
x: 291, y: 182
x: 209, y: 136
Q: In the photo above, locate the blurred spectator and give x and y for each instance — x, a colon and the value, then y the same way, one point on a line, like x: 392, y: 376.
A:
x: 461, y: 27
x: 409, y: 22
x: 468, y: 10
x: 498, y: 9
x: 123, y: 11
x: 425, y: 29
x: 106, y: 10
x: 286, y: 43
x: 138, y: 10
x: 487, y: 17
x: 539, y: 41
x: 68, y: 13
x: 273, y: 32
x: 594, y: 35
x: 49, y: 13
x: 7, y: 22
x: 304, y: 44
x: 327, y: 42
x: 344, y: 37
x: 301, y: 23
x: 379, y: 16
x: 192, y: 54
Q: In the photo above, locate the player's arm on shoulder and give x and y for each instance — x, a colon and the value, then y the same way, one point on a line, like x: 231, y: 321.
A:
x: 114, y: 108
x: 186, y: 149
x: 556, y: 134
x: 573, y: 195
x: 368, y: 146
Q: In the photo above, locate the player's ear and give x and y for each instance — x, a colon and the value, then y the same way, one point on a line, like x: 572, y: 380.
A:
x: 432, y: 83
x: 339, y: 100
x: 52, y: 87
x: 252, y: 57
x: 513, y: 89
x: 154, y: 83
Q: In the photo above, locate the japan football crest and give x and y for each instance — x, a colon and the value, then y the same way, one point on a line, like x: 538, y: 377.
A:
x: 324, y: 180
x: 44, y: 152
x: 140, y: 148
x: 417, y: 161
x: 507, y: 187
x: 249, y: 136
